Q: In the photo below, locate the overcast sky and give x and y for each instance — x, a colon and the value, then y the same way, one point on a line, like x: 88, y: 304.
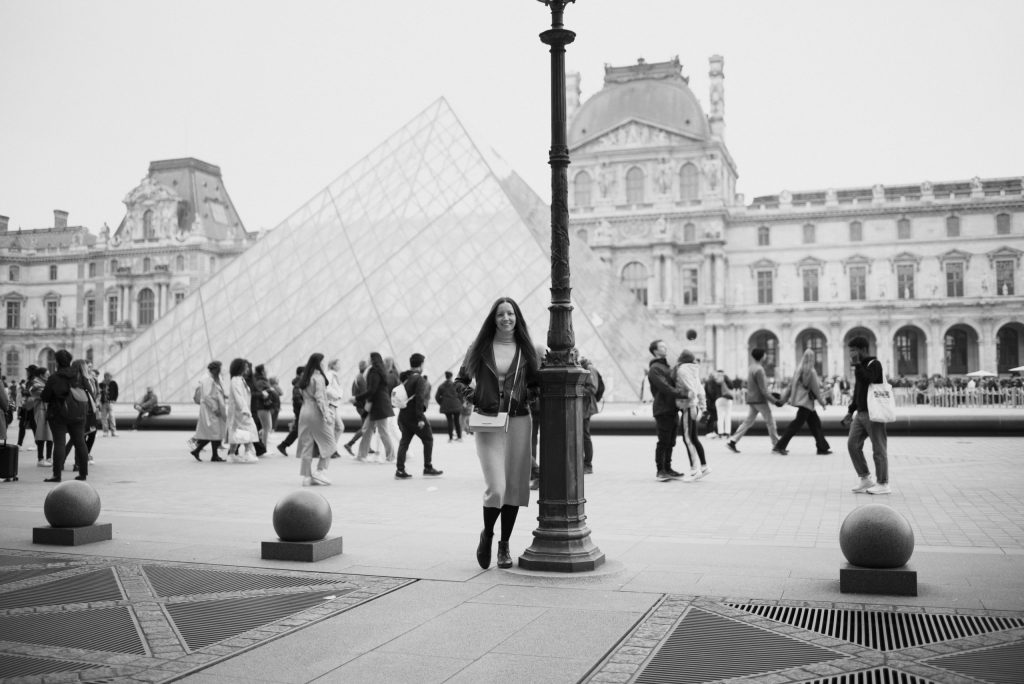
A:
x: 284, y: 96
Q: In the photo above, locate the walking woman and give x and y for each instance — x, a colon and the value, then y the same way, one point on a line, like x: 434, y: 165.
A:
x: 316, y: 423
x: 503, y: 362
x: 687, y: 378
x: 43, y: 436
x: 802, y: 392
x: 377, y: 402
x: 241, y: 427
x: 263, y: 403
x: 210, y: 427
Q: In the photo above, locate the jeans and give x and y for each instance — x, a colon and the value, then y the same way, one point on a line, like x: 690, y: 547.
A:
x: 77, y: 434
x: 381, y: 426
x: 588, y: 444
x: 426, y: 436
x: 809, y: 416
x: 862, y: 428
x: 107, y: 418
x: 666, y: 423
x: 454, y: 424
x: 769, y: 420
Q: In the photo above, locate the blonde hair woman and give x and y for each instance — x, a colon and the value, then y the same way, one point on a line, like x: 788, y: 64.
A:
x: 803, y: 390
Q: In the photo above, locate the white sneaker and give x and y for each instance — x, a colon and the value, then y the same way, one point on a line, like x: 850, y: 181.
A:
x: 48, y: 463
x: 695, y: 474
x: 880, y: 489
x: 41, y: 464
x: 320, y: 478
x: 705, y: 471
x: 866, y: 483
x: 307, y: 481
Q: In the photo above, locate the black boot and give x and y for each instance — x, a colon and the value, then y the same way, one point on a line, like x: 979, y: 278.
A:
x: 483, y: 549
x: 504, y: 558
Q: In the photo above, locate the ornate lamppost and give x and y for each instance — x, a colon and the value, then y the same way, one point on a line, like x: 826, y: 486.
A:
x: 561, y: 542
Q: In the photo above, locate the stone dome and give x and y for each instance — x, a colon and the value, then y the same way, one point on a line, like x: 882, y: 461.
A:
x: 666, y: 102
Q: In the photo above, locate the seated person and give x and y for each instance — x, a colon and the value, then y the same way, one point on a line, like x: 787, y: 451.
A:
x: 145, y: 407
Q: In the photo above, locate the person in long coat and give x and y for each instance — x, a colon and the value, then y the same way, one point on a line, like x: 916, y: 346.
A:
x: 211, y: 426
x: 43, y: 436
x: 503, y: 363
x: 316, y: 423
x: 241, y: 427
x: 377, y: 402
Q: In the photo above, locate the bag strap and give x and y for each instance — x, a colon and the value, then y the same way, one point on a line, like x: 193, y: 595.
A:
x: 515, y: 378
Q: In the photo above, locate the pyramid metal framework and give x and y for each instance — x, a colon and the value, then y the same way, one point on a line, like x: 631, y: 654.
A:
x: 405, y: 252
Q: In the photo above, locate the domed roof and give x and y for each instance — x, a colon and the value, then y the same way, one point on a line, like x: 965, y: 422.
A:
x: 643, y: 92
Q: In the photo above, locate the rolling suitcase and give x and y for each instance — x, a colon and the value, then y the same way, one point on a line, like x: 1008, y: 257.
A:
x: 8, y: 461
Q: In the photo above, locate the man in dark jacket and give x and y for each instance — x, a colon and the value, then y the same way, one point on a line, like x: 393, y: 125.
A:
x: 66, y: 416
x: 867, y: 370
x: 666, y: 413
x: 450, y: 404
x: 293, y: 431
x: 358, y: 389
x: 108, y: 395
x: 412, y: 419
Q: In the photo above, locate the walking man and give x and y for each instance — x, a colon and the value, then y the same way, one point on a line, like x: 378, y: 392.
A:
x: 108, y: 395
x: 666, y: 414
x: 293, y: 431
x: 450, y: 404
x: 412, y: 419
x: 358, y: 388
x: 593, y: 390
x: 867, y: 370
x: 758, y: 398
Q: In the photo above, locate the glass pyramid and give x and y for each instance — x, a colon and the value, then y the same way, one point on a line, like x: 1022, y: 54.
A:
x: 403, y: 253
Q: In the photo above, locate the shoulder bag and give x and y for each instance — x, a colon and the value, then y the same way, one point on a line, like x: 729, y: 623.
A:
x: 479, y: 422
x: 881, y: 403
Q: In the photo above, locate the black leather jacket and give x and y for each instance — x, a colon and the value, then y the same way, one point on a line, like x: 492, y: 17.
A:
x: 488, y: 398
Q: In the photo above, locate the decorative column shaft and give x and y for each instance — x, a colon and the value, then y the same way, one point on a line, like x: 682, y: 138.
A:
x: 562, y: 539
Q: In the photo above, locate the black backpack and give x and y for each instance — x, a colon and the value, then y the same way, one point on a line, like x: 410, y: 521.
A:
x: 600, y: 386
x: 76, y: 405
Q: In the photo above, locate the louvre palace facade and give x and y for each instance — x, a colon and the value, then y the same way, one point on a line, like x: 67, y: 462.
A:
x: 929, y: 272
x: 65, y: 287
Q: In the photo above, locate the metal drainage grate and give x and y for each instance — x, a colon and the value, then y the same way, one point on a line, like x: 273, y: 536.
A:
x: 879, y: 675
x: 206, y: 622
x: 883, y: 630
x: 31, y: 560
x: 705, y: 647
x: 90, y: 587
x: 999, y: 665
x: 21, y: 666
x: 175, y: 581
x: 9, y: 576
x: 102, y: 629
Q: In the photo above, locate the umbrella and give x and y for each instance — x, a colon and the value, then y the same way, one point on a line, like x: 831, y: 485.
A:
x: 1017, y: 369
x: 981, y: 374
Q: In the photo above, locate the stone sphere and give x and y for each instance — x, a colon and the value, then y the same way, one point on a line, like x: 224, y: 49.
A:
x: 72, y: 504
x: 302, y: 516
x: 876, y: 536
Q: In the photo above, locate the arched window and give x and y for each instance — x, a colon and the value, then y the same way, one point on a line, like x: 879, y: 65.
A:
x: 14, y: 274
x: 179, y: 263
x: 764, y: 236
x: 147, y: 302
x: 1008, y: 349
x: 147, y: 264
x: 814, y: 340
x: 689, y: 233
x: 905, y: 343
x: 635, y: 186
x: 689, y: 183
x: 956, y: 348
x: 903, y: 229
x: 634, y: 276
x: 1002, y: 224
x: 809, y: 234
x: 766, y: 340
x: 952, y: 226
x: 148, y: 231
x: 856, y: 231
x: 581, y: 189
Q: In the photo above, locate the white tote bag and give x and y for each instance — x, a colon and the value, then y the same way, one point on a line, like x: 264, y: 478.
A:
x: 881, y: 403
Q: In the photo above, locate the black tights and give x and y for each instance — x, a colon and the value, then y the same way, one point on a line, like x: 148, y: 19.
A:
x: 214, y: 445
x: 508, y: 520
x: 49, y: 449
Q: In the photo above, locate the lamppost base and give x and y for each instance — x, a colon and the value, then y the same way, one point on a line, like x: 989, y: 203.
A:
x: 559, y: 554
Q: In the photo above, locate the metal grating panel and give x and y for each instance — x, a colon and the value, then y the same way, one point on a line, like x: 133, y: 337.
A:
x: 9, y: 576
x: 90, y: 587
x: 31, y: 560
x: 705, y: 647
x: 21, y: 666
x: 885, y: 631
x: 102, y: 629
x: 177, y: 581
x: 206, y: 622
x: 999, y: 665
x: 879, y: 675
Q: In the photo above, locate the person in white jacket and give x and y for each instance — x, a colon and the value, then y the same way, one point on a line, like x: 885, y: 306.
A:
x: 687, y: 378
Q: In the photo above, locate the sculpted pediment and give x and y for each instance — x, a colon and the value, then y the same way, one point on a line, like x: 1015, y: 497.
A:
x: 631, y: 134
x: 150, y: 192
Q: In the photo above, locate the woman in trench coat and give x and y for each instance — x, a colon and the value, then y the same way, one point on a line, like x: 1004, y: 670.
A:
x: 210, y: 427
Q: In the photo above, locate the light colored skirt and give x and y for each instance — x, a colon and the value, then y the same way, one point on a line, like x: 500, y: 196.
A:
x: 505, y: 462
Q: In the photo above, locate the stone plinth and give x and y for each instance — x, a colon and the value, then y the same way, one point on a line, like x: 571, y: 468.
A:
x: 72, y: 536
x: 854, y: 579
x: 304, y: 551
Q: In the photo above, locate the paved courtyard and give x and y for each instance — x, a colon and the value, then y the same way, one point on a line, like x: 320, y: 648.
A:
x: 409, y: 602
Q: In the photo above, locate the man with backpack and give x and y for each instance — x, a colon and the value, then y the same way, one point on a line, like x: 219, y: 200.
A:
x: 593, y: 391
x: 66, y: 411
x: 412, y: 418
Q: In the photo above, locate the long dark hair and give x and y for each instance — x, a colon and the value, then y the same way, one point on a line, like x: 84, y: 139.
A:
x: 377, y: 361
x: 237, y: 367
x: 482, y: 344
x: 312, y: 366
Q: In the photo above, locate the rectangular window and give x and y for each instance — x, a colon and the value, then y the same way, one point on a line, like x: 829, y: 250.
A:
x: 13, y: 315
x: 112, y: 310
x: 90, y: 313
x: 92, y: 269
x: 858, y: 283
x: 689, y: 277
x: 1004, y: 277
x: 810, y: 281
x: 764, y: 287
x: 179, y: 297
x: 856, y: 232
x: 51, y: 314
x: 905, y: 281
x: 809, y: 234
x: 53, y: 272
x: 955, y: 280
x: 903, y: 229
x: 1002, y: 224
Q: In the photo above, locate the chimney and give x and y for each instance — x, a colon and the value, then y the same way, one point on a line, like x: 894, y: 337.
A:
x: 3, y: 224
x: 60, y: 218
